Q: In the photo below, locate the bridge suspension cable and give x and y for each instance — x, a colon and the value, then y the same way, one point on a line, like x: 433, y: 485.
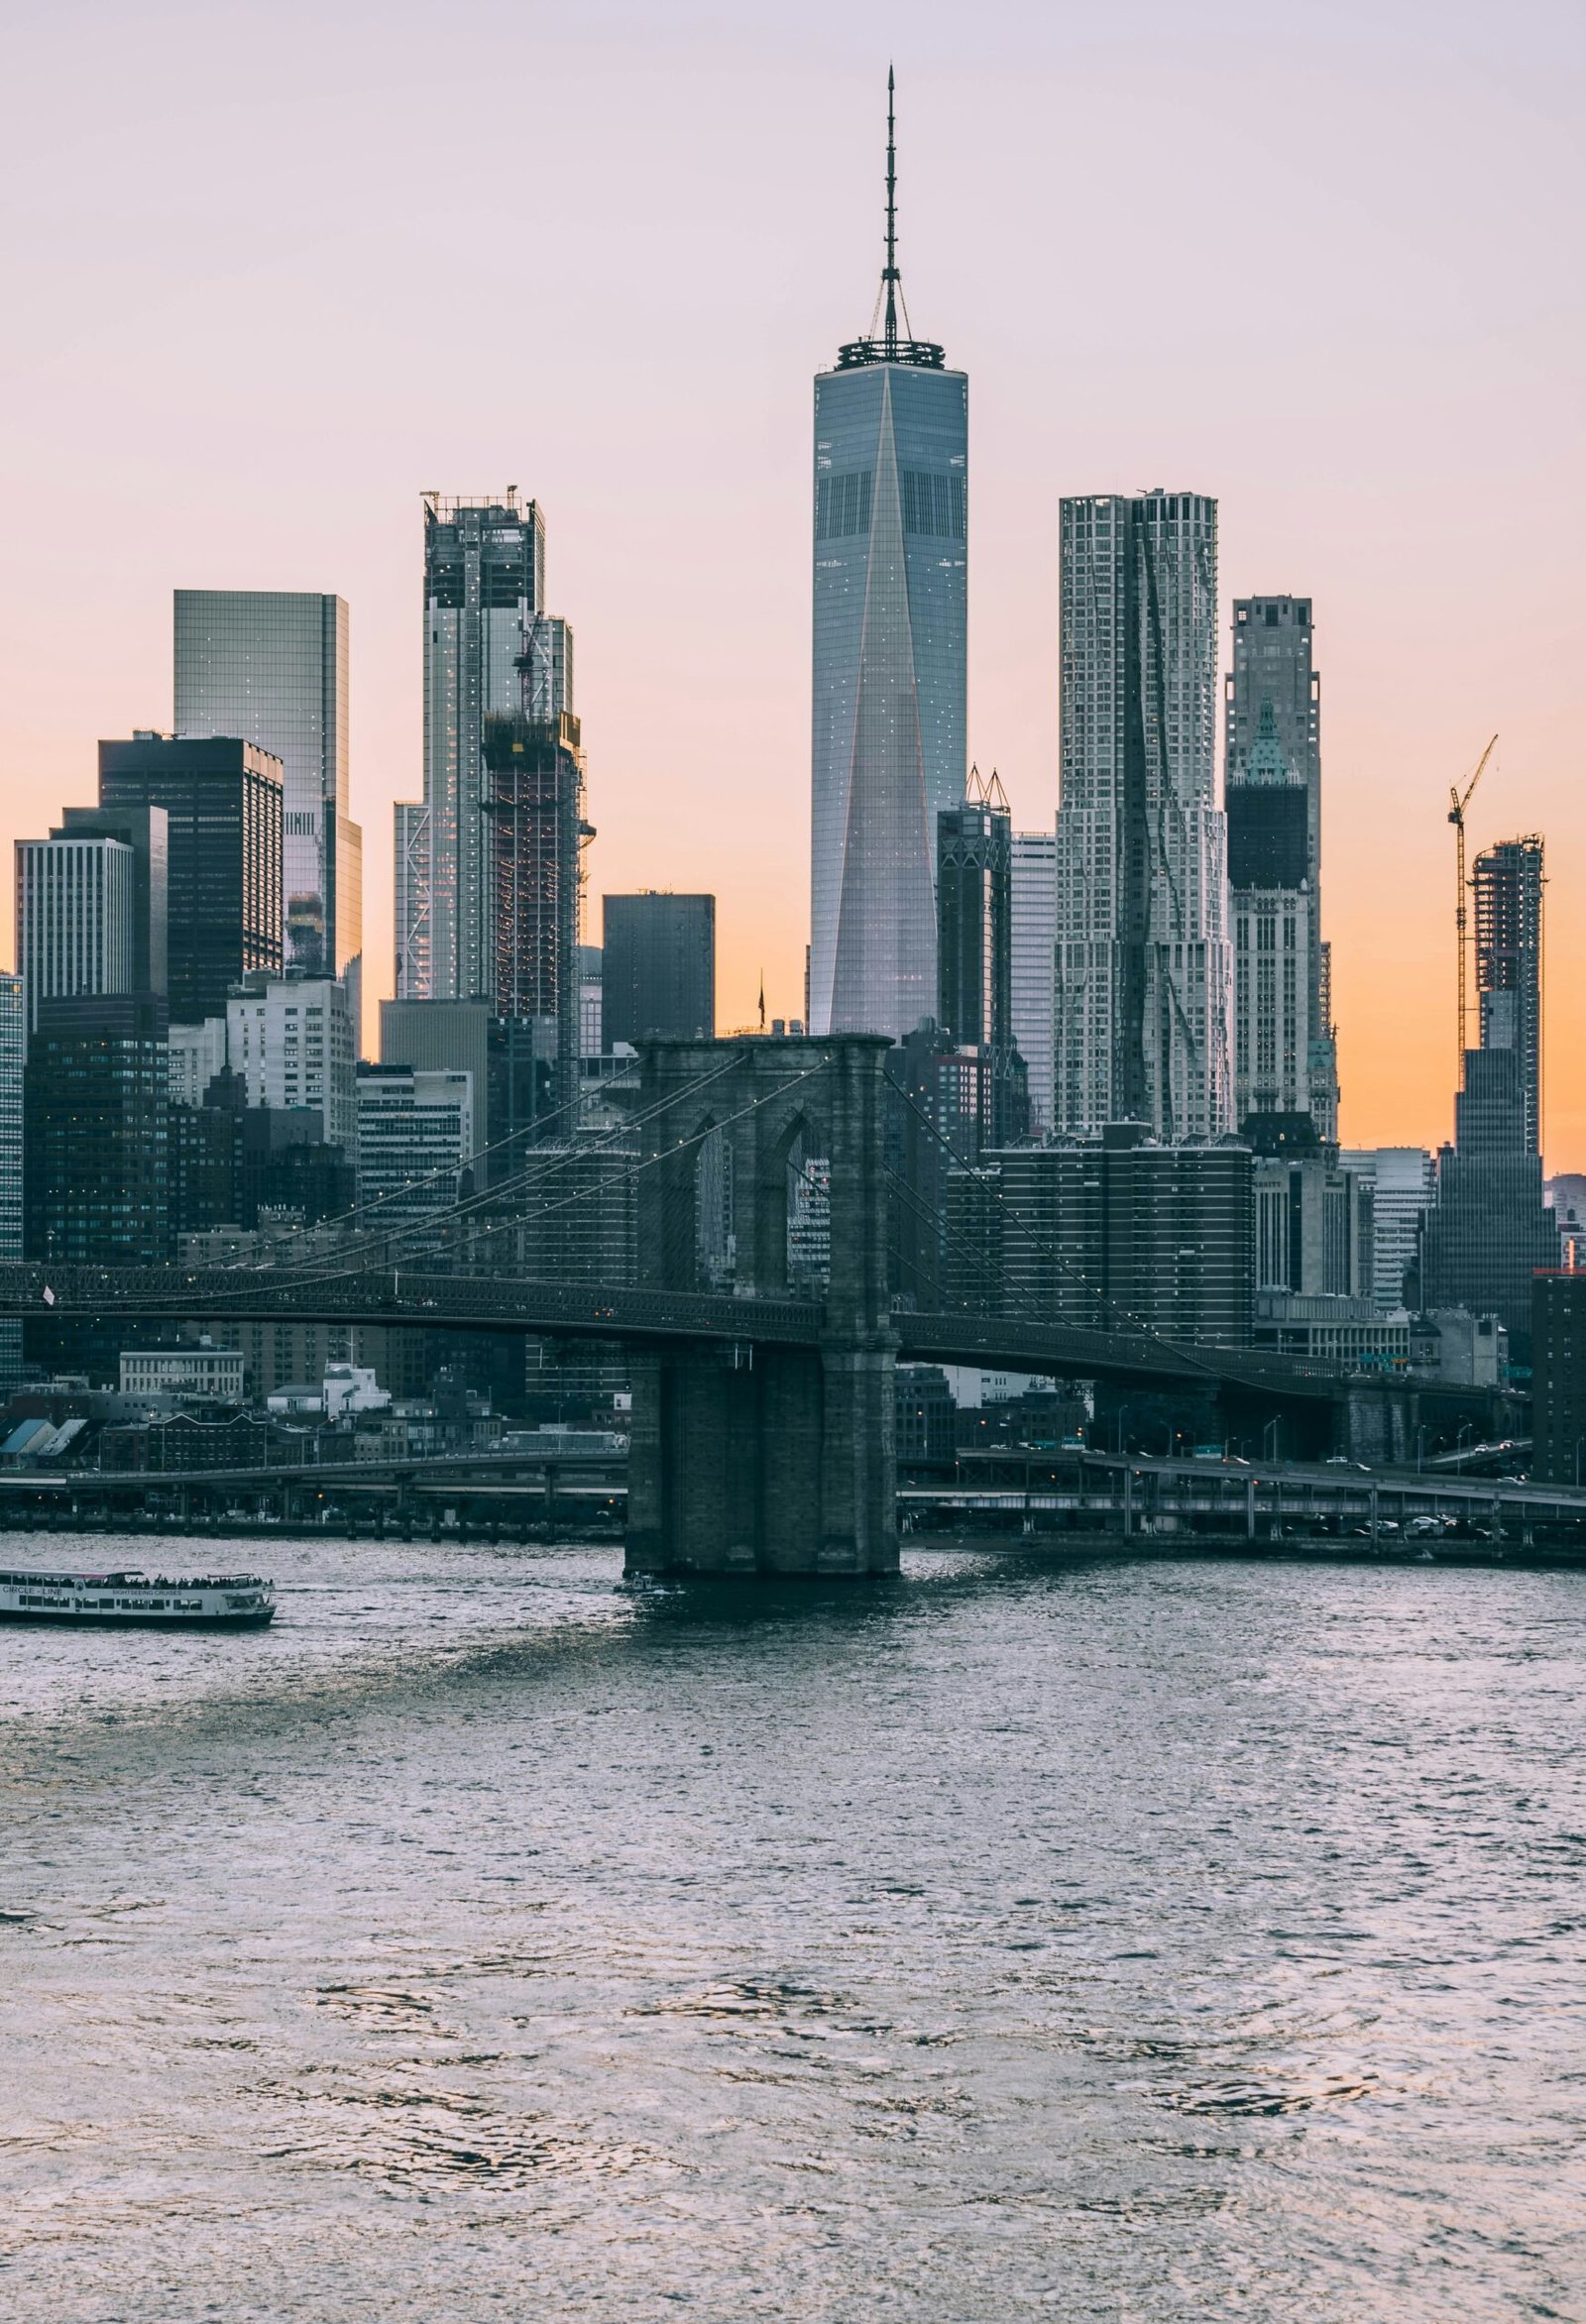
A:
x: 405, y: 1193
x: 542, y: 1164
x: 340, y: 1265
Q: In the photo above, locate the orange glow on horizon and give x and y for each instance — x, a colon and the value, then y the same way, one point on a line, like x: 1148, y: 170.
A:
x: 1376, y: 376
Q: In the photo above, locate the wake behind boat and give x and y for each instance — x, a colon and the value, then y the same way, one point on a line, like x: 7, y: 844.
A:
x: 136, y: 1600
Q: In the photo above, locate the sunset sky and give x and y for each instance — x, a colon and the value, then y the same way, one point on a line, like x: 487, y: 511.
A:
x: 272, y: 270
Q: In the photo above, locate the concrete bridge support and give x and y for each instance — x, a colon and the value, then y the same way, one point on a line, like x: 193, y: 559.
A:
x: 753, y: 1459
x: 1378, y: 1426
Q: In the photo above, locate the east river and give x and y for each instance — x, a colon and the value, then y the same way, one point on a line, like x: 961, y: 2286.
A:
x: 1025, y: 1938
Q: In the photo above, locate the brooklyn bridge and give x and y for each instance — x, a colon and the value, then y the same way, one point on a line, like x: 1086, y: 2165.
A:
x: 763, y: 1434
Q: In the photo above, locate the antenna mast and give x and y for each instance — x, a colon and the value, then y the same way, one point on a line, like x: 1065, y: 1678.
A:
x: 891, y: 338
x: 890, y: 276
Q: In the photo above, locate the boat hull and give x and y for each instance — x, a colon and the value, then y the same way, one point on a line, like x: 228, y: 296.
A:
x: 67, y: 1618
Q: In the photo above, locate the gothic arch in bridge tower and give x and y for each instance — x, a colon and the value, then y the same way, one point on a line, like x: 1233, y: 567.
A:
x: 761, y: 1458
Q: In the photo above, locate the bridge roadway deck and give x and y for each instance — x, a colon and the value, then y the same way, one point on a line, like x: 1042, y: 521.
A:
x: 1013, y: 1478
x: 423, y: 1468
x: 994, y: 1483
x: 635, y: 1316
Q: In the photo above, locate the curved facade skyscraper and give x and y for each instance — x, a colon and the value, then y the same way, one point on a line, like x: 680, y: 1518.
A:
x: 1142, y: 968
x: 891, y: 460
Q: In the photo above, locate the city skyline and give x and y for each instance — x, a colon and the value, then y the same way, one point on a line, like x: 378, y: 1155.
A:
x: 1418, y: 668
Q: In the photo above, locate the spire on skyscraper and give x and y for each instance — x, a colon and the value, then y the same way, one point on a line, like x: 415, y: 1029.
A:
x: 890, y: 346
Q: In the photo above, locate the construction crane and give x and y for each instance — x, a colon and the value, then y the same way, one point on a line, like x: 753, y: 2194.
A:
x: 1456, y: 816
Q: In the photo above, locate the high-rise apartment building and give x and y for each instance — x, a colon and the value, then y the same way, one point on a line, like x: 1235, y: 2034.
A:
x: 271, y: 666
x: 77, y: 916
x: 196, y: 1056
x: 535, y: 772
x: 1273, y: 752
x: 890, y: 569
x: 1272, y: 909
x: 484, y: 593
x: 222, y: 798
x: 1143, y: 964
x: 450, y: 1035
x: 416, y: 1143
x: 1401, y: 1180
x: 289, y: 1041
x: 1315, y: 1230
x: 1033, y: 912
x: 1559, y: 1378
x: 657, y: 968
x: 145, y: 829
x: 1112, y: 1232
x: 1489, y: 1232
x: 974, y: 950
x: 974, y: 917
x: 94, y: 1109
x: 1507, y: 885
x: 13, y: 1046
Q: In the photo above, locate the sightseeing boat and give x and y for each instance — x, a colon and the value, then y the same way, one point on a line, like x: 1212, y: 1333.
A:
x: 140, y: 1602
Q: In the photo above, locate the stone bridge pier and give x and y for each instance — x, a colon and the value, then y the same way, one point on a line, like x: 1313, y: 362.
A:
x: 747, y: 1458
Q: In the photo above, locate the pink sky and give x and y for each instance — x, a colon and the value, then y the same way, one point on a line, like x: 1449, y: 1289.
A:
x: 273, y: 271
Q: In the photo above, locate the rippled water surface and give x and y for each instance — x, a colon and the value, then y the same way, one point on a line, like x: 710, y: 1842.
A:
x: 1020, y: 1939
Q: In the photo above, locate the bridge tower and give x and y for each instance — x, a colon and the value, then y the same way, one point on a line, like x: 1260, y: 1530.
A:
x: 753, y: 1459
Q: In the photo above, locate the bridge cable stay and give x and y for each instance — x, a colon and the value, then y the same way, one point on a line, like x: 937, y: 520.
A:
x: 542, y: 1166
x: 541, y: 1163
x: 975, y: 1258
x: 548, y: 1169
x: 345, y: 1218
x: 650, y: 1162
x: 328, y: 1265
x: 307, y: 1279
x: 180, y: 1302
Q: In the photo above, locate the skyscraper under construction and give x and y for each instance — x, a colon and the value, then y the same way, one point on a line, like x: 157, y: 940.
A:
x: 488, y: 862
x: 1507, y: 887
x: 1489, y: 1233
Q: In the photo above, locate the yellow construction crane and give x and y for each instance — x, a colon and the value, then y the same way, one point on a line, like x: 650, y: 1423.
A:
x: 1456, y: 816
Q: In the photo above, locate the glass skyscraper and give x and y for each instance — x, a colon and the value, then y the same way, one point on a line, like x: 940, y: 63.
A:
x: 1033, y: 934
x: 888, y: 755
x: 271, y: 666
x: 222, y: 798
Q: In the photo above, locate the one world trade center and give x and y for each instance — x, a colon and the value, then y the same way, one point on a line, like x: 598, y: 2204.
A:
x: 892, y: 450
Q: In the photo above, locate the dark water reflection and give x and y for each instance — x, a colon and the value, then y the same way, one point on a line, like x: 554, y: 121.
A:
x: 1015, y: 1940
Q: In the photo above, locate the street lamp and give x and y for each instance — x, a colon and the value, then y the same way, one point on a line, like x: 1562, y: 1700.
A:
x: 1270, y: 1451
